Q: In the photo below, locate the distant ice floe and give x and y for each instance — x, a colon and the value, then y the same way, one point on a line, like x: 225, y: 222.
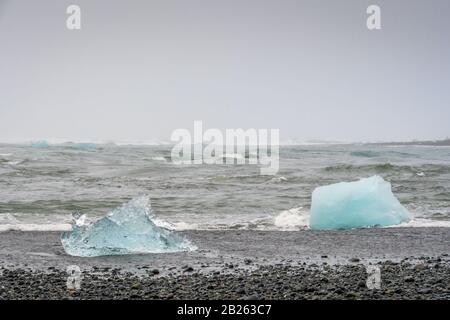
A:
x: 41, y: 144
x: 84, y: 146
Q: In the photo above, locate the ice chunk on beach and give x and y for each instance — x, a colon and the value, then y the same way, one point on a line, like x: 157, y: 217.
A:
x: 365, y: 203
x: 128, y: 229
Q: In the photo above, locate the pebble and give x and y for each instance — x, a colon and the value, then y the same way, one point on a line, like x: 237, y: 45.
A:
x: 268, y: 282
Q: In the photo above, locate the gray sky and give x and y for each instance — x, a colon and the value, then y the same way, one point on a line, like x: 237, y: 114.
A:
x: 140, y: 69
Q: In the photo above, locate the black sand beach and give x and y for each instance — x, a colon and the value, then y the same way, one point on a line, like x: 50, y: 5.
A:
x: 414, y: 264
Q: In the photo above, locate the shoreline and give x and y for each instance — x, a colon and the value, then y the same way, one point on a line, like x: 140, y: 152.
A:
x: 238, y: 264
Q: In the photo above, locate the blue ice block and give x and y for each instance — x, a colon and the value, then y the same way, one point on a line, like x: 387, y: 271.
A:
x: 128, y: 229
x: 365, y: 203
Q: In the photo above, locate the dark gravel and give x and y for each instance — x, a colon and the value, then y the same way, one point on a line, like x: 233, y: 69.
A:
x: 238, y: 264
x: 429, y: 278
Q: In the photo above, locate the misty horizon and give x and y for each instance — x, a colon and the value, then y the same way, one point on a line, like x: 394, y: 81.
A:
x: 139, y: 70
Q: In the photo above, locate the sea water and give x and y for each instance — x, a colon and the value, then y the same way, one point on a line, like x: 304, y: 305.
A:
x: 42, y: 187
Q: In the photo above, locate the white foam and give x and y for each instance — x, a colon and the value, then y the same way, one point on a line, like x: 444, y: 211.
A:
x: 14, y: 163
x: 159, y: 159
x: 162, y: 223
x: 292, y: 219
x: 278, y: 179
x: 8, y: 218
x: 35, y: 227
x: 420, y: 222
x: 33, y: 222
x: 180, y: 226
x: 420, y: 174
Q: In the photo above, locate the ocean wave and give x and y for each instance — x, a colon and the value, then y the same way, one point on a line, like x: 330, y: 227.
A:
x: 243, y: 177
x: 32, y: 222
x: 83, y: 146
x: 17, y: 162
x: 163, y: 159
x: 288, y: 220
x: 233, y: 156
x: 56, y: 142
x: 279, y: 179
x: 294, y: 219
x: 381, y: 153
x: 11, y: 162
x: 365, y: 154
x: 420, y: 170
x: 383, y: 167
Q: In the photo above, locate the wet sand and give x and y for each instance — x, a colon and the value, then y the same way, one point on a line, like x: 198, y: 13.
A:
x: 414, y: 264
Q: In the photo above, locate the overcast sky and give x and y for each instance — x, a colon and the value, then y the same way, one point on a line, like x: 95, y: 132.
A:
x: 140, y: 69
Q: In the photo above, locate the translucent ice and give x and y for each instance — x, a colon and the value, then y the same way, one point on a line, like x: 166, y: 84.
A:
x: 126, y: 230
x: 364, y: 203
x: 84, y: 146
x: 42, y: 144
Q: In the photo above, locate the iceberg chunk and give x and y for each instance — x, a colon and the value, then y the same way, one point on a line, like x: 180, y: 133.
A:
x: 42, y: 144
x: 84, y: 146
x: 365, y: 203
x: 128, y: 229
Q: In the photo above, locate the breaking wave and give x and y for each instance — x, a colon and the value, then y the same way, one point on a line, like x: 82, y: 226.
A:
x: 423, y: 223
x: 295, y: 219
x: 163, y: 159
x: 292, y: 219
